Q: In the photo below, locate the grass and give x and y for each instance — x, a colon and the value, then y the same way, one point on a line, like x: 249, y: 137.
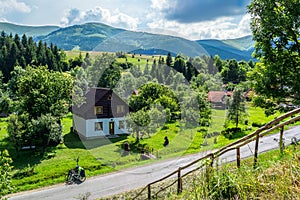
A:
x: 33, y: 169
x: 137, y: 59
x: 74, y: 54
x: 256, y: 115
x: 276, y: 177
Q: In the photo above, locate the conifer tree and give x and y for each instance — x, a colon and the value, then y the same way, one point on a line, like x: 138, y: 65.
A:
x: 169, y: 60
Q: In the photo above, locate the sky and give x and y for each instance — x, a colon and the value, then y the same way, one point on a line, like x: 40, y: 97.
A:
x: 192, y: 19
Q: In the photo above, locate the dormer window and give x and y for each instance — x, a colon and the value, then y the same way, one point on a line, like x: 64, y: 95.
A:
x: 120, y: 109
x: 98, y: 110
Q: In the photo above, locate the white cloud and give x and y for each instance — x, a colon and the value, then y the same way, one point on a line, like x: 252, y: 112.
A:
x: 99, y: 14
x: 161, y: 5
x: 151, y: 16
x: 244, y: 25
x: 221, y: 28
x: 190, y: 11
x: 7, y: 6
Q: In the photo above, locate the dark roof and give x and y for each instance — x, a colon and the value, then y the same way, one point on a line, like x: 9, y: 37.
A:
x: 100, y: 97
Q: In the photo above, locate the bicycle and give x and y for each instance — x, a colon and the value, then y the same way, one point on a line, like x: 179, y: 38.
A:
x: 76, y: 175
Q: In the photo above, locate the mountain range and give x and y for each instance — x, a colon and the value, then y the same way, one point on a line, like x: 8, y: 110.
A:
x: 101, y: 37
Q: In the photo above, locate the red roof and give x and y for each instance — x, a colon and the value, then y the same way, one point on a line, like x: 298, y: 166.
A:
x: 135, y: 92
x: 218, y: 96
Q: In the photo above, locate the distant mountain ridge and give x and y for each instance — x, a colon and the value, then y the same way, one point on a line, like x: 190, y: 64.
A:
x: 101, y: 37
x: 230, y: 49
x: 28, y: 30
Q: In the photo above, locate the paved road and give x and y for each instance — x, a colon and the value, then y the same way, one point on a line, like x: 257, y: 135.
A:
x: 125, y: 180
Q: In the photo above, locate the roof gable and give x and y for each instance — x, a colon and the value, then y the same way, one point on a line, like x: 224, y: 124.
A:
x: 104, y: 97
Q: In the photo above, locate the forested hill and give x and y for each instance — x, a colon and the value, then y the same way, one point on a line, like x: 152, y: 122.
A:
x: 85, y: 37
x: 101, y: 37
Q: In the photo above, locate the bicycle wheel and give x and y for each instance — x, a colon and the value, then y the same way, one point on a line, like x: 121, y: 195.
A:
x: 82, y: 179
x: 69, y: 177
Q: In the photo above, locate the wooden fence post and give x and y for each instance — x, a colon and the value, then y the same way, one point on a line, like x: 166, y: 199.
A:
x: 281, y: 144
x: 238, y: 157
x: 149, y: 191
x: 256, y: 151
x: 179, y: 187
x: 208, y: 169
x: 212, y: 160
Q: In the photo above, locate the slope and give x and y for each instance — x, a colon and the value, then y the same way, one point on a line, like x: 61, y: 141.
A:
x: 243, y: 43
x: 101, y: 37
x: 28, y: 30
x: 84, y: 37
x: 130, y: 41
x: 225, y: 50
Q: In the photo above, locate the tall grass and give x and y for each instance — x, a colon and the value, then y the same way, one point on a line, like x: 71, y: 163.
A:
x: 276, y: 177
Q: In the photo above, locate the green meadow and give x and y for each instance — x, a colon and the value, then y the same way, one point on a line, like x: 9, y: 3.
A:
x: 33, y: 169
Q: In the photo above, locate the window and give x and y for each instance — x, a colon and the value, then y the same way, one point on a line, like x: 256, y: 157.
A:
x: 98, y: 126
x: 121, y: 124
x: 109, y: 97
x: 120, y: 108
x: 98, y: 110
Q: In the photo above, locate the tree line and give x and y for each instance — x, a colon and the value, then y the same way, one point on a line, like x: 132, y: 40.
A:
x: 24, y: 51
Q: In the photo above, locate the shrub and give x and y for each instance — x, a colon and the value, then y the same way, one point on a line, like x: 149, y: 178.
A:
x: 210, y: 135
x: 5, y: 173
x: 26, y: 172
x: 257, y: 124
x: 233, y: 133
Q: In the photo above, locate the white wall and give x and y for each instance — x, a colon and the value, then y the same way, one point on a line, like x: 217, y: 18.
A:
x: 79, y: 125
x: 87, y: 127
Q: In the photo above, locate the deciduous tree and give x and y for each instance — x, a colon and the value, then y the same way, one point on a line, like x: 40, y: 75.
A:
x: 43, y: 98
x: 154, y: 93
x: 275, y: 26
x: 138, y: 121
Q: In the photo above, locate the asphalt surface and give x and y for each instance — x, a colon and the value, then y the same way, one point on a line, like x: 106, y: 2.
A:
x: 125, y: 180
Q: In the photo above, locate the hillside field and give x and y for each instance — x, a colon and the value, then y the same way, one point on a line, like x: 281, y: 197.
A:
x: 33, y: 170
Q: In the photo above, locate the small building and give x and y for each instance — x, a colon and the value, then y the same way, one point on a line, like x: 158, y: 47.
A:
x: 249, y: 94
x: 218, y: 98
x: 102, y: 114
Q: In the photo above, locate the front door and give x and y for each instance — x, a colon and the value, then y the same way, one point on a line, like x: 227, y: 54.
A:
x: 111, y: 128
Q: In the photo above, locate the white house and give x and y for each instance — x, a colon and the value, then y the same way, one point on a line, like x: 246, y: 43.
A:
x: 102, y: 114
